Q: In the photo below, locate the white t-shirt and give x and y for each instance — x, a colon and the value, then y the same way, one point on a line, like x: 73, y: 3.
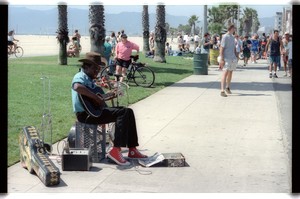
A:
x: 10, y: 38
x: 185, y: 37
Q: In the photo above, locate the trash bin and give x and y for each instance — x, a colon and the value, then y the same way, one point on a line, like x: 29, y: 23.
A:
x: 200, y: 64
x: 213, y: 56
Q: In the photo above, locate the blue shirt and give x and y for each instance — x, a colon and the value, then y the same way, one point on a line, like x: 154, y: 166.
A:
x: 254, y: 46
x: 85, y: 80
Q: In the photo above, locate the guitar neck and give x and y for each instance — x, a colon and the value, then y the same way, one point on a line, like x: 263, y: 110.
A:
x: 107, y: 96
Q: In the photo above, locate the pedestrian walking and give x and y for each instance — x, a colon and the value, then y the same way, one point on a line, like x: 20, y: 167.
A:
x: 246, y: 49
x: 254, y: 48
x: 276, y: 48
x: 228, y: 60
x: 290, y: 55
x: 238, y: 45
x: 107, y: 49
x: 263, y: 46
x: 114, y: 41
x: 285, y: 55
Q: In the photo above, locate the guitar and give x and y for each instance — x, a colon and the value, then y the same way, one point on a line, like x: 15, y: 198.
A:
x: 89, y: 104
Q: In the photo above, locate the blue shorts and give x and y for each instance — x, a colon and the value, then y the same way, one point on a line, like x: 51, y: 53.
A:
x: 274, y: 60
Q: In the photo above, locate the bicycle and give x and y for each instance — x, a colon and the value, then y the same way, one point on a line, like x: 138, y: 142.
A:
x: 141, y: 74
x: 18, y: 51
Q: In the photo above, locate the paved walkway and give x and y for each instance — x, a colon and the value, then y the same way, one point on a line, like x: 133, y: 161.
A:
x: 232, y: 144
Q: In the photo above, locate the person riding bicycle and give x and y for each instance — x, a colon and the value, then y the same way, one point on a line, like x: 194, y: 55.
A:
x: 125, y: 129
x: 122, y: 55
x: 10, y: 41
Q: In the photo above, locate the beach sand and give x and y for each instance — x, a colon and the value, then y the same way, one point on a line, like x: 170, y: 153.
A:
x: 41, y: 45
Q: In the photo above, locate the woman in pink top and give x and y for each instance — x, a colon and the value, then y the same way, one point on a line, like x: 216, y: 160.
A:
x: 122, y: 55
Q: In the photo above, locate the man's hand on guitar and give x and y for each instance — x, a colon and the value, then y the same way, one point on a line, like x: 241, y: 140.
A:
x: 112, y: 94
x: 99, y: 101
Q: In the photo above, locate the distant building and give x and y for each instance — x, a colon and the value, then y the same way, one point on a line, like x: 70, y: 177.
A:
x: 283, y: 20
x: 278, y: 22
x: 287, y: 25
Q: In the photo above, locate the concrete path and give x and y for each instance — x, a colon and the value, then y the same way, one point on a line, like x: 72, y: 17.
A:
x: 233, y: 144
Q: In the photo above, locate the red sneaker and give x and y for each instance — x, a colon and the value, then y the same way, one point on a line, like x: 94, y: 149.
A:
x: 116, y: 155
x: 134, y: 153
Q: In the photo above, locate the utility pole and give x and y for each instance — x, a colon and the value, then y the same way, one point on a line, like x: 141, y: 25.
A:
x: 204, y: 20
x: 237, y: 21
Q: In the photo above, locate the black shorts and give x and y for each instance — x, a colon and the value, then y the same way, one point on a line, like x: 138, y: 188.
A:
x: 10, y: 43
x: 123, y: 63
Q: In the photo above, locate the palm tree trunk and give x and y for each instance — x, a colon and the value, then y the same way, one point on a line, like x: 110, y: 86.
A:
x: 160, y: 35
x: 145, y: 18
x: 62, y: 34
x: 97, y: 28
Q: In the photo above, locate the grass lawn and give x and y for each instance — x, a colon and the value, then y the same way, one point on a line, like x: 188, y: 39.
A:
x: 28, y: 100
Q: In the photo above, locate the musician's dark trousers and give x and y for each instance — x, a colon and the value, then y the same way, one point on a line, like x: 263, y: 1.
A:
x: 125, y: 131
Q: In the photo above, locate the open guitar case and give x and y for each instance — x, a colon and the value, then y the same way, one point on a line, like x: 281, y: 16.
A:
x: 34, y: 156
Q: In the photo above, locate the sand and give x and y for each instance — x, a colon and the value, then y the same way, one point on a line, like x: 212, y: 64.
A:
x: 37, y: 45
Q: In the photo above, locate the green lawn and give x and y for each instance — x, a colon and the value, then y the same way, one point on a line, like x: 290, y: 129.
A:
x: 27, y: 99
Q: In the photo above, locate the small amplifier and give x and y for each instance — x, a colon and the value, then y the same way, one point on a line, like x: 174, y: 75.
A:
x: 76, y: 159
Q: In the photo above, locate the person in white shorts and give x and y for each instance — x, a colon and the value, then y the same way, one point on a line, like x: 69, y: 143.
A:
x: 228, y: 60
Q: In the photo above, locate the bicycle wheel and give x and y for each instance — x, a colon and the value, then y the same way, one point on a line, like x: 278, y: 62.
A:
x: 19, y: 51
x: 8, y: 51
x: 143, y: 76
x: 108, y: 72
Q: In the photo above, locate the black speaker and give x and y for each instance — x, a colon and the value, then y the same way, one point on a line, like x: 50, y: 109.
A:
x: 76, y: 159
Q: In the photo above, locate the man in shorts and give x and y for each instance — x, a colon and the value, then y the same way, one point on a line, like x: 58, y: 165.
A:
x: 228, y: 59
x: 276, y: 49
x: 122, y: 55
x: 246, y: 49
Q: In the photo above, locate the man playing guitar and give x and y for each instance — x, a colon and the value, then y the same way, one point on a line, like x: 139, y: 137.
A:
x: 89, y: 106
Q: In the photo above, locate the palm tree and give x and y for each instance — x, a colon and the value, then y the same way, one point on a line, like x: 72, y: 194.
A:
x: 62, y: 34
x: 192, y: 22
x: 97, y: 28
x: 255, y: 22
x: 160, y: 35
x: 249, y: 21
x: 229, y: 12
x: 145, y: 19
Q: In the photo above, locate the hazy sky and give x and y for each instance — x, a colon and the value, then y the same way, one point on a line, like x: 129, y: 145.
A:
x: 265, y: 8
x: 178, y: 10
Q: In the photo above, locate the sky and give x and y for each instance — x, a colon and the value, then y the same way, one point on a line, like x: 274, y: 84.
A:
x: 174, y: 7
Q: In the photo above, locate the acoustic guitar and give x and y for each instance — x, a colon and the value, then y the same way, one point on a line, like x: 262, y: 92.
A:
x: 90, y: 105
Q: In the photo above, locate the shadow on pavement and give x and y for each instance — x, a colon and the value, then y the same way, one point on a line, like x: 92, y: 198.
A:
x: 251, y: 86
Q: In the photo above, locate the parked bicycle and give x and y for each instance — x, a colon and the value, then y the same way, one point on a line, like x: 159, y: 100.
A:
x: 18, y: 51
x: 138, y: 72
